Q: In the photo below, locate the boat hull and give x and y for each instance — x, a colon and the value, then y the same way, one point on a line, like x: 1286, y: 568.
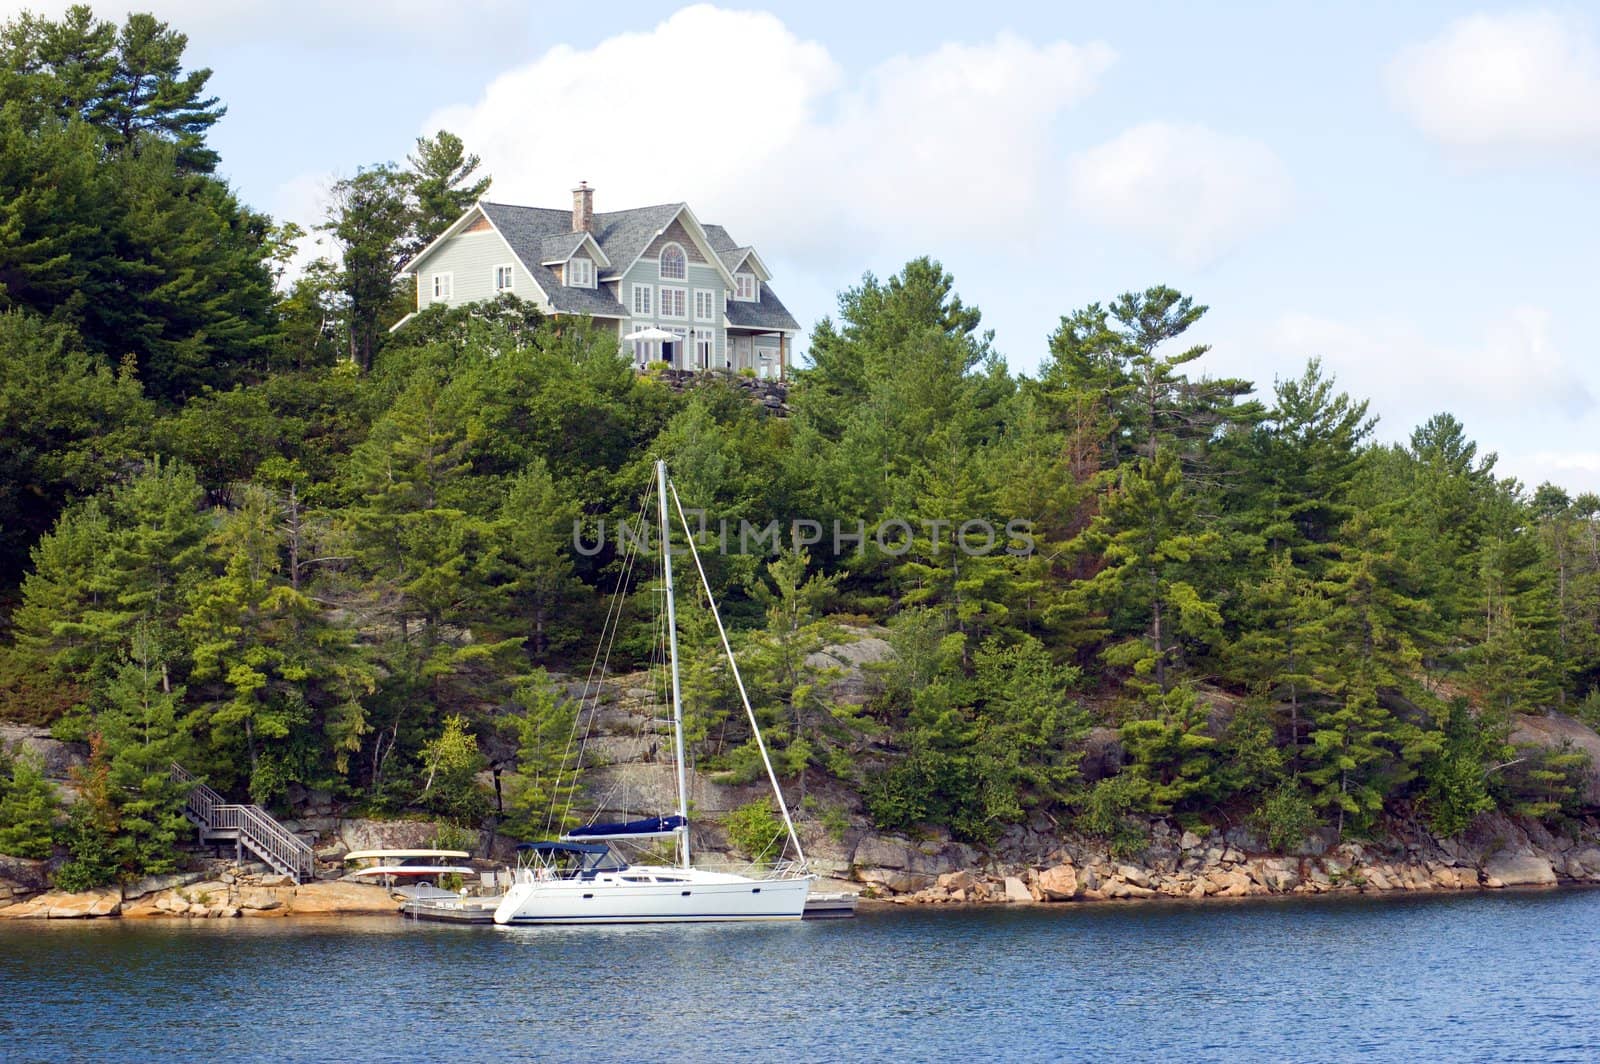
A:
x: 689, y: 900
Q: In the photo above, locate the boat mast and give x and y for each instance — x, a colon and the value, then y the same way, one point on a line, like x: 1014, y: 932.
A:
x: 733, y: 664
x: 672, y: 657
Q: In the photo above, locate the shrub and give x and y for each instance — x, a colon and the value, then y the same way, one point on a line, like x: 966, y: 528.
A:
x: 1286, y: 817
x: 755, y: 830
x: 1105, y: 813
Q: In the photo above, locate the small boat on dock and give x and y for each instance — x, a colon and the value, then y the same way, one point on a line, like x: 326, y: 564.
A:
x: 408, y: 866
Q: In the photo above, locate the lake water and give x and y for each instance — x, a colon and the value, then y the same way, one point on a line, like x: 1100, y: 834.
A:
x: 1501, y: 976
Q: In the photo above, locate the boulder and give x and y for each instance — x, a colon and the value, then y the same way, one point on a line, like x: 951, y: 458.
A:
x: 1134, y: 874
x: 387, y: 834
x: 1229, y: 882
x: 336, y: 898
x: 1556, y: 731
x: 1189, y: 841
x: 59, y: 905
x: 259, y: 900
x: 883, y: 851
x: 1059, y: 883
x: 24, y: 875
x: 1102, y: 754
x: 1587, y: 859
x: 1017, y: 891
x: 895, y: 880
x: 57, y: 759
x: 957, y: 880
x: 1520, y: 870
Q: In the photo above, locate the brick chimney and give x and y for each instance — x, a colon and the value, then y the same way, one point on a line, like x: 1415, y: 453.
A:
x: 583, y: 208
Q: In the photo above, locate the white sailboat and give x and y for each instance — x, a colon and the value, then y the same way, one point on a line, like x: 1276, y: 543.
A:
x: 581, y: 879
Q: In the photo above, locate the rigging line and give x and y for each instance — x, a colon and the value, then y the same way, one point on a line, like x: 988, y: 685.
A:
x: 755, y: 727
x: 597, y: 670
x: 608, y: 636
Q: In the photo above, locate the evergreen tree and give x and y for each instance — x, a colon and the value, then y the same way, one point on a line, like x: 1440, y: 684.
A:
x: 70, y: 423
x: 1153, y: 547
x: 442, y: 184
x: 28, y: 808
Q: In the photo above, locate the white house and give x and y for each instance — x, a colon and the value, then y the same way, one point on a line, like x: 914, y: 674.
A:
x: 648, y: 266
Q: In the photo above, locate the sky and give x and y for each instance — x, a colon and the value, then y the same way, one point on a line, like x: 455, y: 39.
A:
x: 1405, y: 191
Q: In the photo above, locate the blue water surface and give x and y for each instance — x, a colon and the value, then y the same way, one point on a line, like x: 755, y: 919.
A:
x: 1511, y: 976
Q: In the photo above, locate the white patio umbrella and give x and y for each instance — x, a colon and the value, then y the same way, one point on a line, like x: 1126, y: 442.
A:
x: 651, y: 333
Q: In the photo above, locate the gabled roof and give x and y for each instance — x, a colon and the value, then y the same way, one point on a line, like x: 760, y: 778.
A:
x: 525, y: 230
x: 556, y: 250
x: 630, y: 229
x: 734, y: 257
x: 541, y: 237
x: 768, y: 314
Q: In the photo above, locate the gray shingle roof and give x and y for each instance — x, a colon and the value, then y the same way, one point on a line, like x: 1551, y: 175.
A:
x: 526, y: 229
x: 560, y: 248
x: 767, y: 314
x: 533, y: 232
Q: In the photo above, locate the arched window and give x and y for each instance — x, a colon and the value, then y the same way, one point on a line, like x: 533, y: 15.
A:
x: 674, y: 266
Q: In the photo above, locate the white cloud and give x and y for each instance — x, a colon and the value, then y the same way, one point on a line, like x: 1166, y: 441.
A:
x: 1191, y: 189
x: 1512, y: 371
x: 763, y: 131
x: 1501, y: 84
x: 1508, y: 382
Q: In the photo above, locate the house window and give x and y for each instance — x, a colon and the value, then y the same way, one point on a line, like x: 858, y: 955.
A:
x: 504, y: 278
x: 580, y: 273
x: 705, y: 348
x: 705, y: 304
x: 442, y: 284
x: 673, y: 350
x: 674, y: 265
x: 745, y: 289
x: 641, y: 299
x: 673, y: 302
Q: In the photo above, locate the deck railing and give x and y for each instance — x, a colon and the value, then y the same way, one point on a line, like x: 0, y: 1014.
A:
x: 252, y: 826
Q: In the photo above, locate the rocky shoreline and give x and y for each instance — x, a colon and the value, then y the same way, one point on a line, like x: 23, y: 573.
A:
x: 1028, y: 867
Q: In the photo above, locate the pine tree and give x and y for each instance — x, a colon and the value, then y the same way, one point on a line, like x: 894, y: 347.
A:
x: 442, y: 185
x: 1154, y: 550
x: 145, y: 731
x: 1171, y: 754
x: 28, y: 808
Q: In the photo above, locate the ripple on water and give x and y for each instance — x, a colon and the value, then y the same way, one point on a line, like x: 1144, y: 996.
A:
x: 1479, y: 976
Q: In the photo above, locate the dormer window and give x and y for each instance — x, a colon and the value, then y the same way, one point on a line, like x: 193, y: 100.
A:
x: 744, y: 289
x: 674, y: 264
x: 580, y: 273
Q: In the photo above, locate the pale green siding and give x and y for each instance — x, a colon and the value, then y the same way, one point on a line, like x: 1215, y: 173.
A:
x: 702, y: 276
x: 471, y: 258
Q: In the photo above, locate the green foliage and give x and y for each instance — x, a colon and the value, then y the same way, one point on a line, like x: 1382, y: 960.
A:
x: 450, y: 766
x: 28, y: 808
x: 1171, y: 755
x: 755, y: 831
x: 257, y: 532
x: 451, y: 836
x: 1286, y: 816
x: 1107, y: 812
x: 547, y: 771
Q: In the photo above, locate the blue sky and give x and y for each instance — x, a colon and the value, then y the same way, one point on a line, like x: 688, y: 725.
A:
x: 1406, y: 191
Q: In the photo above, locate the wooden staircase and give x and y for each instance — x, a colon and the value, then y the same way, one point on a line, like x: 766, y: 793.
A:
x: 249, y: 827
